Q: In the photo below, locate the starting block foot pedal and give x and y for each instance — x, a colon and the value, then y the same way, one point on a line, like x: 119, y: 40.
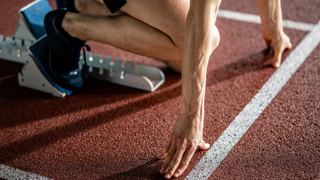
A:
x: 31, y: 77
x: 31, y: 25
x: 36, y: 73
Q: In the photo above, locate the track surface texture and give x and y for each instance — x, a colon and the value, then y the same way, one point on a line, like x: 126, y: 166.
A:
x: 107, y: 131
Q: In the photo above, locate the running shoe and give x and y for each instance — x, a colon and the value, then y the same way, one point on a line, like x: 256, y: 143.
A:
x: 64, y: 52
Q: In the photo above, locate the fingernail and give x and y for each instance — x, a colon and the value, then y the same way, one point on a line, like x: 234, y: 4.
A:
x: 176, y: 175
x: 167, y: 176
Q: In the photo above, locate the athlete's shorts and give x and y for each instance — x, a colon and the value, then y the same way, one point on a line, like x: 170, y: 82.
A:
x: 114, y: 5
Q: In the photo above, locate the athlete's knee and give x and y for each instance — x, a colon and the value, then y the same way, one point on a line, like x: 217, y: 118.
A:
x: 215, y: 39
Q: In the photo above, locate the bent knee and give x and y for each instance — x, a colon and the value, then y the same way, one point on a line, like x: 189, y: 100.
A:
x: 215, y: 39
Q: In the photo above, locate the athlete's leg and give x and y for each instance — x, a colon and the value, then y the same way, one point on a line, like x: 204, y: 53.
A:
x: 271, y: 18
x: 150, y: 28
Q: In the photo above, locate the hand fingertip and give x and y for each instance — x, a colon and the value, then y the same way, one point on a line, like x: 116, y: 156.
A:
x: 276, y: 64
x: 176, y: 175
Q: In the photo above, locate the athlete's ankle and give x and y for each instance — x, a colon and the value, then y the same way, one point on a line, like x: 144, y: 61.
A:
x: 71, y: 25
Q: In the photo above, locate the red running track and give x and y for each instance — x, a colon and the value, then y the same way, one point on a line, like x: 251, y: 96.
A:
x: 106, y: 131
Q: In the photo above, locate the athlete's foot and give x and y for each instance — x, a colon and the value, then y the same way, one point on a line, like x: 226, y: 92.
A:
x: 279, y: 44
x: 64, y: 51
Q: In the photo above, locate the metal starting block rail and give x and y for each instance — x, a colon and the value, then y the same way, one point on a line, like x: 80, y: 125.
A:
x: 140, y: 77
x: 15, y: 49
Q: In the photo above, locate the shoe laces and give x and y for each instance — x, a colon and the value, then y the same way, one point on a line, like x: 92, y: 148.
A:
x: 74, y: 57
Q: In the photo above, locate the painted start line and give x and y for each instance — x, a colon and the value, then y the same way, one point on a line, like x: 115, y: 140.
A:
x: 229, y: 138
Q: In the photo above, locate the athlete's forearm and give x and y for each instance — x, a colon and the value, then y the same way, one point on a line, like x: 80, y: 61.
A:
x: 271, y: 16
x: 198, y: 46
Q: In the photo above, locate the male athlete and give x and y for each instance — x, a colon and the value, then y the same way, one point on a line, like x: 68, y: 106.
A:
x: 180, y: 32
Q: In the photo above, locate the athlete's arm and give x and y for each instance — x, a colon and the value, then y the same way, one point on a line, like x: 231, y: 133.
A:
x: 271, y: 20
x: 201, y: 38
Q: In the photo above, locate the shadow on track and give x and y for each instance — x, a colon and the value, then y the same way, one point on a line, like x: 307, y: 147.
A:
x: 28, y: 145
x: 149, y: 170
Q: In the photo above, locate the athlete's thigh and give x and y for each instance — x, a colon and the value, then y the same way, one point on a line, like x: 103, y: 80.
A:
x: 168, y: 16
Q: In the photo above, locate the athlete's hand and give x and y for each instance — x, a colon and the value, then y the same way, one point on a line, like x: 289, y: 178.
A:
x: 279, y: 43
x: 185, y: 138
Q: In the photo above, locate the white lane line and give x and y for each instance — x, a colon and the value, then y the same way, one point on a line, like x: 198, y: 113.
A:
x: 10, y: 173
x: 256, y: 106
x: 256, y: 19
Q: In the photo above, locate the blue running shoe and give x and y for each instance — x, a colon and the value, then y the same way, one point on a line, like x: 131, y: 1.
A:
x: 68, y: 4
x: 64, y: 52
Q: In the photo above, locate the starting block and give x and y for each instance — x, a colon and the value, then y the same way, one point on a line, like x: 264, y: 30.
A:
x: 29, y: 45
x: 34, y: 76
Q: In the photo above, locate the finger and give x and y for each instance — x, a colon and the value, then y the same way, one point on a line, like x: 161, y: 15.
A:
x: 279, y: 49
x: 176, y: 159
x: 277, y: 57
x: 185, y: 160
x: 268, y: 43
x: 203, y: 146
x: 165, y: 149
x: 168, y: 158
